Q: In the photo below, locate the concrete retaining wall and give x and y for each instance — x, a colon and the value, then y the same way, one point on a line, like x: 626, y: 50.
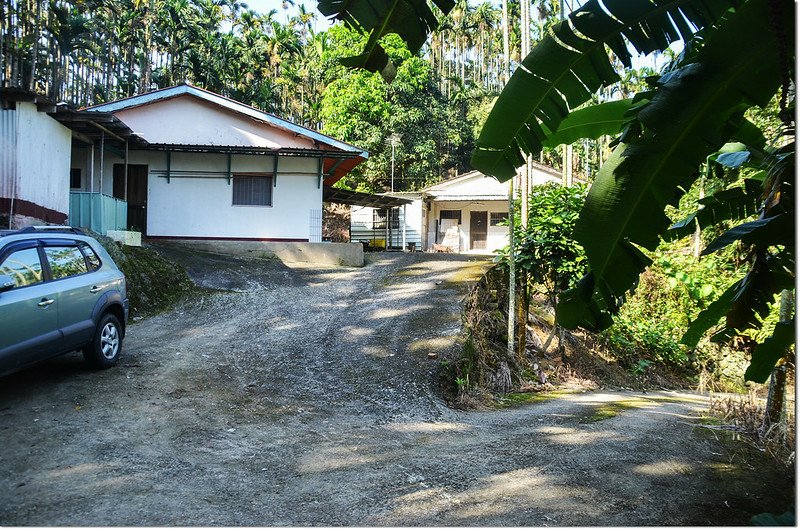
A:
x: 325, y: 253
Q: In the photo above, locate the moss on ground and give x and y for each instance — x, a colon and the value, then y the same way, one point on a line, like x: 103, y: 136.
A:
x: 512, y: 400
x: 154, y: 282
x: 609, y: 410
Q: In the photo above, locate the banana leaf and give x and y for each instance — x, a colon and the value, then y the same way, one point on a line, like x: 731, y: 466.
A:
x: 766, y: 354
x: 571, y: 63
x: 769, y: 231
x: 736, y: 203
x: 412, y: 20
x: 709, y: 317
x: 603, y: 119
x: 694, y: 111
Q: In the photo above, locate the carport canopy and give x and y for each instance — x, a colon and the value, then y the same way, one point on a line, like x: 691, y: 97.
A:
x: 354, y: 198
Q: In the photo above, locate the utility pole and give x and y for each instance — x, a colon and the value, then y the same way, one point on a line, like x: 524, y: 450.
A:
x: 506, y: 50
x: 393, y: 140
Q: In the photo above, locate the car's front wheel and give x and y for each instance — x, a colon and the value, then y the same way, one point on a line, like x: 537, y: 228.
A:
x: 103, y: 351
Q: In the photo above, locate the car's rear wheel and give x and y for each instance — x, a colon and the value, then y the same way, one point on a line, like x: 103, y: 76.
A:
x: 103, y: 351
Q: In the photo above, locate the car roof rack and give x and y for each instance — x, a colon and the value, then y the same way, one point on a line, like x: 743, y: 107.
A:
x: 70, y: 229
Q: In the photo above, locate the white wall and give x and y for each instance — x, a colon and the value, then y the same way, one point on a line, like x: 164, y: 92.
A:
x: 496, y: 236
x: 201, y: 206
x: 475, y: 185
x: 189, y: 120
x: 42, y: 159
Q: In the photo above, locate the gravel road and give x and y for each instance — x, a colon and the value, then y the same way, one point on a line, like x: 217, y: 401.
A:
x: 304, y: 396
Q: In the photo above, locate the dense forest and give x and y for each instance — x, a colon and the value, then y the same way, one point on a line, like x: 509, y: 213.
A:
x: 85, y: 52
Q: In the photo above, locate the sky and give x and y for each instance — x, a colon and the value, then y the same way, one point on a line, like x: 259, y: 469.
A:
x: 263, y: 6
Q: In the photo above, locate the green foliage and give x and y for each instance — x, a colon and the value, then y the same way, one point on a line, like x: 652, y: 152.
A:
x: 740, y: 59
x: 632, y: 338
x: 659, y: 153
x: 570, y: 64
x: 361, y: 108
x: 590, y: 122
x: 412, y: 20
x: 546, y: 249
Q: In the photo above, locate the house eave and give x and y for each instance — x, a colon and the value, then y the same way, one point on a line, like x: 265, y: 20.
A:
x: 229, y: 104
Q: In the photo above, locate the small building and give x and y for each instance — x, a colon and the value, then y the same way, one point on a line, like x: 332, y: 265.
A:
x: 214, y: 168
x: 463, y: 214
x: 177, y: 163
x: 34, y: 161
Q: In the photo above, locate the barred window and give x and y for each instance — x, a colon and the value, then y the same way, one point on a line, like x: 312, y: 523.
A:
x: 450, y: 214
x: 379, y: 219
x: 252, y: 190
x: 496, y: 218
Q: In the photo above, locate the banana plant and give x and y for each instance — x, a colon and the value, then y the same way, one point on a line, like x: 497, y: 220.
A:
x: 770, y: 240
x: 738, y: 57
x: 412, y: 20
x: 572, y: 62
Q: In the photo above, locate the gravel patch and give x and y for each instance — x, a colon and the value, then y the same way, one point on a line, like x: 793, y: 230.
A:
x: 305, y: 396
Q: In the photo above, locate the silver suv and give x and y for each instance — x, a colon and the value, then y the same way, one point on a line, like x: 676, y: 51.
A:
x: 59, y: 291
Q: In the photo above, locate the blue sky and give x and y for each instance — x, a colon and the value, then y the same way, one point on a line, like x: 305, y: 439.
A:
x: 263, y: 6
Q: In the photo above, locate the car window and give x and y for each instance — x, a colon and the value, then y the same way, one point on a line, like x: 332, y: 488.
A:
x: 24, y: 266
x: 91, y: 257
x: 65, y: 261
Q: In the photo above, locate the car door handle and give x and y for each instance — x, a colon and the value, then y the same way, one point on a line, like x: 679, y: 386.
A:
x: 45, y: 302
x: 95, y: 289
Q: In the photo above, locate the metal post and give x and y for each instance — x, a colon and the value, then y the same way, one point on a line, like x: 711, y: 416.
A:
x: 102, y: 168
x: 102, y: 156
x: 125, y: 183
x: 91, y: 187
x: 404, y: 227
x: 386, y: 229
x: 393, y: 140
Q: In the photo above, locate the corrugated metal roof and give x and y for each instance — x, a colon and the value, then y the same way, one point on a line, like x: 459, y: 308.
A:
x: 230, y: 104
x: 467, y: 198
x: 93, y: 125
x: 354, y: 198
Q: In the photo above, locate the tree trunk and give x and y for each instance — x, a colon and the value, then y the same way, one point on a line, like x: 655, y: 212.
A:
x: 697, y: 239
x: 522, y: 314
x: 506, y: 51
x: 777, y: 384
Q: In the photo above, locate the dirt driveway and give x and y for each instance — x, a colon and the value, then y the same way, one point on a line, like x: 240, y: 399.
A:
x: 305, y: 397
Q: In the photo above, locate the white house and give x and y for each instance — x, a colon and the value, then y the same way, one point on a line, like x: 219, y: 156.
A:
x: 180, y: 163
x: 463, y: 214
x: 208, y: 167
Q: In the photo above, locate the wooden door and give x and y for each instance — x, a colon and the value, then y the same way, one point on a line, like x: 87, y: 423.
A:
x: 477, y: 229
x: 137, y: 198
x: 119, y: 181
